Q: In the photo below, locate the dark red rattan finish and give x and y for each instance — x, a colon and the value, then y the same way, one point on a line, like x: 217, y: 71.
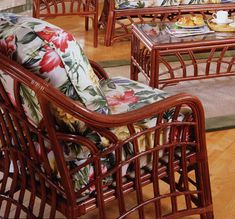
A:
x: 52, y: 8
x: 117, y: 22
x: 29, y: 189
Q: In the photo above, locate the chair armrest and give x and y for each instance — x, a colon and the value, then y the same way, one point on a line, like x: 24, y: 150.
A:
x: 99, y: 71
x: 142, y: 113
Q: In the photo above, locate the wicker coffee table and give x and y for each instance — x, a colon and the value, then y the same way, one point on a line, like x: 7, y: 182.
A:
x: 165, y: 59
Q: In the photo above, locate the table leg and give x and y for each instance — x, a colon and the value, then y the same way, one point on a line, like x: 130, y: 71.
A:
x: 154, y: 71
x: 135, y: 47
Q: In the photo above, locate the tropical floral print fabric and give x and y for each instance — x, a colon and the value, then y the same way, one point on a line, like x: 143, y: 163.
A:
x: 124, y: 4
x: 191, y: 2
x: 125, y: 95
x: 194, y: 2
x: 53, y: 55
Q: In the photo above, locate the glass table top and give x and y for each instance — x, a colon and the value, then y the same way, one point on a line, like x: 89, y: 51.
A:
x: 159, y: 34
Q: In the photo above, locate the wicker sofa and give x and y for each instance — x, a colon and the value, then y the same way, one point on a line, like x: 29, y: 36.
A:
x: 118, y: 16
x: 73, y: 139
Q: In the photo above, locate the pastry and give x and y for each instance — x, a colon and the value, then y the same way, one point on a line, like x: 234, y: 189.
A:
x: 198, y: 20
x: 191, y: 20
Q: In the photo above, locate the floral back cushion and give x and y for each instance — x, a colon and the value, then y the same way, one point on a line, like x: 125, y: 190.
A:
x: 124, y: 4
x: 193, y: 2
x: 53, y: 55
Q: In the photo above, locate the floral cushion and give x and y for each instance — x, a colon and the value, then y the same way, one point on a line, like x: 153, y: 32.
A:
x: 191, y: 2
x: 53, y: 55
x: 125, y: 95
x: 124, y: 4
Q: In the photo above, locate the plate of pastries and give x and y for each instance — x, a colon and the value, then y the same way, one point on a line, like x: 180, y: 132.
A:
x: 191, y: 21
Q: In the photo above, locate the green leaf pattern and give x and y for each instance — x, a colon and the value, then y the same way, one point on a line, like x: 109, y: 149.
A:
x: 117, y: 86
x: 32, y: 102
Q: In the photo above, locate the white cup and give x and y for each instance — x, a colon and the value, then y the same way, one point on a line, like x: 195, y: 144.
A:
x: 220, y: 16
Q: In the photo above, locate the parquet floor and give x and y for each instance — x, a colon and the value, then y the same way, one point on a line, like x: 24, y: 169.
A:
x: 221, y: 144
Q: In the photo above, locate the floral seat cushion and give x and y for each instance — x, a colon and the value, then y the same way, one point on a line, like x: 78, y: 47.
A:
x: 125, y: 95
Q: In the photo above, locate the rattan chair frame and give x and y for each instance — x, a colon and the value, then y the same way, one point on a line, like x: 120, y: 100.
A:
x: 24, y: 172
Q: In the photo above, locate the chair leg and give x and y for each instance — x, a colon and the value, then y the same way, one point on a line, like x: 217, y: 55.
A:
x: 86, y: 23
x: 95, y: 29
x: 109, y: 29
x: 36, y: 8
x: 95, y: 22
x: 107, y: 22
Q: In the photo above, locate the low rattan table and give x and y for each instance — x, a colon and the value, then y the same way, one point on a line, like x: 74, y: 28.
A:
x: 165, y: 59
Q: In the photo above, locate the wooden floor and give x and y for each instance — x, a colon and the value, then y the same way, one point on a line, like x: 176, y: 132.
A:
x: 221, y: 144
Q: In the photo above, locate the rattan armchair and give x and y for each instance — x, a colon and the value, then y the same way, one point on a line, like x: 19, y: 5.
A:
x: 64, y: 157
x: 52, y: 8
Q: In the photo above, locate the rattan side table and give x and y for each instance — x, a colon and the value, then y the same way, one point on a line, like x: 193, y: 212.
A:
x: 154, y: 50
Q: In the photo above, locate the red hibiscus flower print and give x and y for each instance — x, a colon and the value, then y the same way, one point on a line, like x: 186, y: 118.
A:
x: 127, y: 97
x: 50, y: 60
x: 8, y: 46
x: 57, y: 36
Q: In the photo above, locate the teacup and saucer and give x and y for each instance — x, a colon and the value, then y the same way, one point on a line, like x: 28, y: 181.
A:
x: 221, y: 17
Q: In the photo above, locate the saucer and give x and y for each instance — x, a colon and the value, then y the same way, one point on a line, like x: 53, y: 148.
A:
x: 225, y: 22
x: 232, y: 25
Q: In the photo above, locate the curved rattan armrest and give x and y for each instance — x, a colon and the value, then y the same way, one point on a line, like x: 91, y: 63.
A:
x: 109, y: 121
x: 155, y: 109
x: 47, y: 94
x: 99, y: 71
